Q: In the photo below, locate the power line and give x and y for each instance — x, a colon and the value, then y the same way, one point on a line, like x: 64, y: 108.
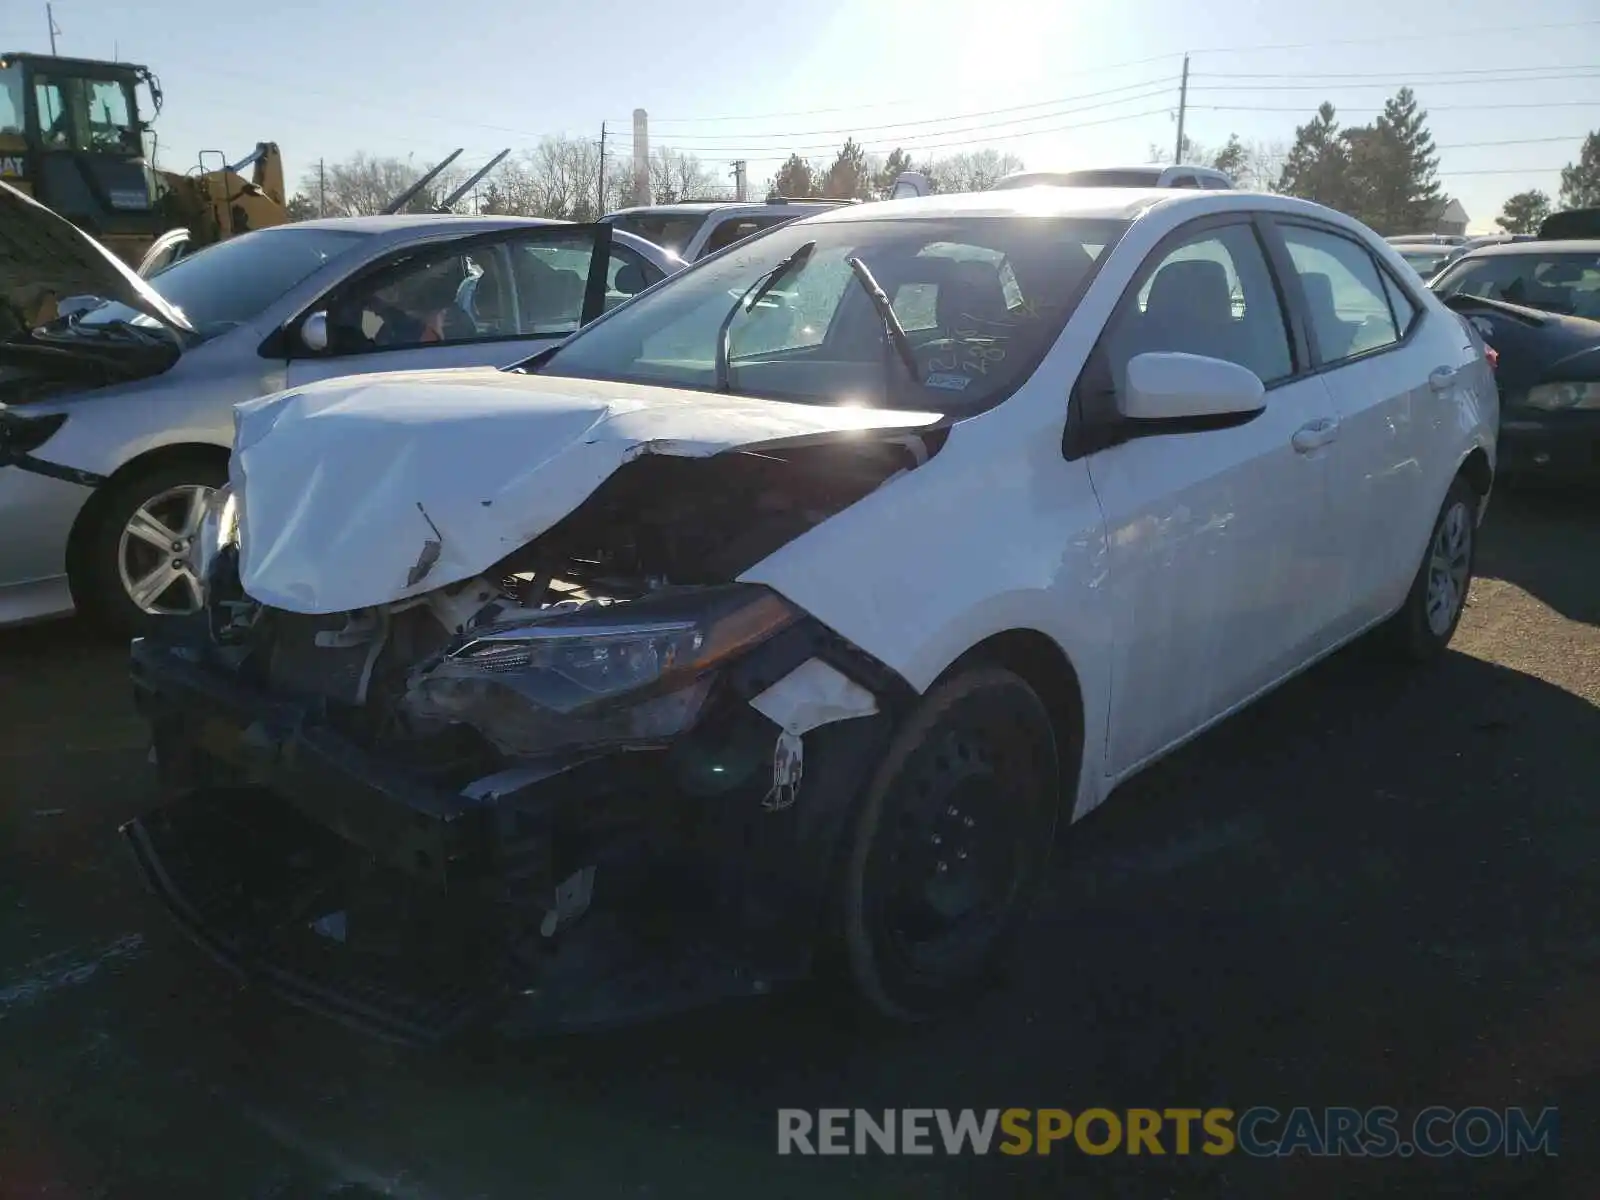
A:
x: 1163, y: 83
x: 1508, y: 171
x: 1322, y: 87
x: 1178, y: 54
x: 1576, y: 137
x: 814, y: 112
x: 885, y: 147
x: 912, y: 141
x: 1408, y: 74
x: 1431, y: 108
x: 1432, y: 36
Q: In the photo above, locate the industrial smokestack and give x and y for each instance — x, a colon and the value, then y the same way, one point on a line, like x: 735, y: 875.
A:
x: 641, y: 156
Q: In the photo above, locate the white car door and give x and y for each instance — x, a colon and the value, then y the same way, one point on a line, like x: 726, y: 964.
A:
x: 1214, y: 532
x: 1372, y: 351
x: 486, y: 300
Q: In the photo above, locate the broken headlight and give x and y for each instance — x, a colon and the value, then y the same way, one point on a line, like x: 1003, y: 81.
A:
x: 614, y: 675
x: 219, y: 529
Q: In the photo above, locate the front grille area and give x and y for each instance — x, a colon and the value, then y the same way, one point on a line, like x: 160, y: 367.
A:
x: 281, y: 901
x: 297, y: 666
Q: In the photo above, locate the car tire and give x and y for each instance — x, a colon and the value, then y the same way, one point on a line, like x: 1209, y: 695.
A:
x: 1427, y: 620
x: 114, y: 558
x: 950, y: 844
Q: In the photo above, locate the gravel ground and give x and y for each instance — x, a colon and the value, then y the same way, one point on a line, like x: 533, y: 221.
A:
x: 1378, y: 887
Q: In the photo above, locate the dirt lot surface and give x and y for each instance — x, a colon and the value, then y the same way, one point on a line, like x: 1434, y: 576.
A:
x: 1379, y: 887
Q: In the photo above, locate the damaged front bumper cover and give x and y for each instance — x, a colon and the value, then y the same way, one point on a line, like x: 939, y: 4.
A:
x: 561, y: 892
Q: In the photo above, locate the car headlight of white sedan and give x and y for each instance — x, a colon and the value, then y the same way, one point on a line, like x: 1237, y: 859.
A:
x: 1560, y: 397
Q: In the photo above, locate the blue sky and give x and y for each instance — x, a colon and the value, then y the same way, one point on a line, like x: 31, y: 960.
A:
x: 734, y: 80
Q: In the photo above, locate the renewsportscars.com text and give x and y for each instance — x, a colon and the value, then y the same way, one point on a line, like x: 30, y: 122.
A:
x: 1259, y: 1132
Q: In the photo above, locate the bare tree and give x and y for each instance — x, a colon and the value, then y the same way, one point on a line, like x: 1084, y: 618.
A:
x: 364, y: 184
x: 676, y: 176
x: 972, y: 170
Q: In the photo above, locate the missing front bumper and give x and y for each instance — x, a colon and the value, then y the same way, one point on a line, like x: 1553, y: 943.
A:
x: 354, y: 888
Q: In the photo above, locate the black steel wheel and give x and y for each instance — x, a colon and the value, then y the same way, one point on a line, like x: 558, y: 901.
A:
x: 950, y: 843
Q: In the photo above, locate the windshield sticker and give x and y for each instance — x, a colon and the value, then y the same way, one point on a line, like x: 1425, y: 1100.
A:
x: 950, y: 383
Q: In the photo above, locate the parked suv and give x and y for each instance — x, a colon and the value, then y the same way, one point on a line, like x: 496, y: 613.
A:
x: 697, y: 228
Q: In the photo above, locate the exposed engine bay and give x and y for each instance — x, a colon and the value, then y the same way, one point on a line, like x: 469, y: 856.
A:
x: 662, y: 534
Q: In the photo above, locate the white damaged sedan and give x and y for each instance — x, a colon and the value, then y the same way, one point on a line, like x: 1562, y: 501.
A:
x: 782, y: 615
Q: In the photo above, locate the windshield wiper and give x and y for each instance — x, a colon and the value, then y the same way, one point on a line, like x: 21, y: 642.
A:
x: 880, y: 301
x: 752, y: 296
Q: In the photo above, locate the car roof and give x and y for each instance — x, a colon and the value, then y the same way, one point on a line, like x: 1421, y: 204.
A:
x: 1092, y: 203
x: 1538, y: 246
x: 398, y: 222
x: 701, y: 207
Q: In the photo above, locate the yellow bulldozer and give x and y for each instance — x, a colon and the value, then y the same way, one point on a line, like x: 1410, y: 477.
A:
x: 72, y: 135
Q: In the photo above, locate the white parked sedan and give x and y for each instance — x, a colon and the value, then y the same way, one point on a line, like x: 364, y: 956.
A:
x: 793, y: 606
x: 115, y: 423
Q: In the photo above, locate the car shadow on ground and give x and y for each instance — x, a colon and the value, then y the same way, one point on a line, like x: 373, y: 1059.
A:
x: 1377, y: 887
x: 1543, y: 541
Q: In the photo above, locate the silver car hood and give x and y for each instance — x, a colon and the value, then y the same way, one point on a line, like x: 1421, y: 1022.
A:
x: 366, y: 490
x: 42, y: 253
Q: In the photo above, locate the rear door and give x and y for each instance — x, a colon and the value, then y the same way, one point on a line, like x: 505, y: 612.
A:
x: 1371, y: 347
x: 1217, y: 558
x: 486, y: 300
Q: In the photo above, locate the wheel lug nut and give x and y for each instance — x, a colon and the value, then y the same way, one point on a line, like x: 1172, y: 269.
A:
x: 943, y: 867
x: 961, y: 853
x: 967, y: 821
x: 936, y: 840
x: 951, y: 811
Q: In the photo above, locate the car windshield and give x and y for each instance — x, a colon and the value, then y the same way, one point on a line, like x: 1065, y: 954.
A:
x: 1425, y: 262
x: 670, y: 231
x: 1558, y: 282
x: 980, y: 300
x: 231, y: 282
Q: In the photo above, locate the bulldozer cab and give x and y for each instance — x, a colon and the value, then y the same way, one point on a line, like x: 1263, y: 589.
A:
x: 72, y: 136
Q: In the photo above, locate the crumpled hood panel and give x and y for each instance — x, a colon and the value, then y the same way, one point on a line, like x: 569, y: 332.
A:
x: 372, y: 488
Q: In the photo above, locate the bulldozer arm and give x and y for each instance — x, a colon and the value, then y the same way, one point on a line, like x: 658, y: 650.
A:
x: 219, y: 204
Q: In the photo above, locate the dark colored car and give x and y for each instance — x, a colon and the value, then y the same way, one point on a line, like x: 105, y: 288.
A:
x: 1549, y: 378
x: 1538, y: 304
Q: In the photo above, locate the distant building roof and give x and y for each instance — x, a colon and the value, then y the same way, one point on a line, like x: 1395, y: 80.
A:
x: 1448, y: 209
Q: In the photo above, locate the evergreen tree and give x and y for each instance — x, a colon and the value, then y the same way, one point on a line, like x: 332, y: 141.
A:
x: 794, y: 178
x: 1580, y: 181
x: 1318, y: 162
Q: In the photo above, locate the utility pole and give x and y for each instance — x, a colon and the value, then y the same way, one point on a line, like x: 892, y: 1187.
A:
x: 322, y: 188
x: 601, y: 199
x: 739, y: 187
x: 50, y: 16
x: 1183, y: 105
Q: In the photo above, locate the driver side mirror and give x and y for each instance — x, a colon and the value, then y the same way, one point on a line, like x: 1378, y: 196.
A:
x: 1168, y: 386
x: 314, y: 332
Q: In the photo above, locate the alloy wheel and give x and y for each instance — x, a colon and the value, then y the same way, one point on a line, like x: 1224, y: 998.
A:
x: 153, y: 554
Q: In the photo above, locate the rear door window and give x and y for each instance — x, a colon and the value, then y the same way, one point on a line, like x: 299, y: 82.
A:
x: 1345, y: 298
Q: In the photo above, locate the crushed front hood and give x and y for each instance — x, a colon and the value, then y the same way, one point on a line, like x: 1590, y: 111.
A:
x: 369, y: 489
x: 43, y: 254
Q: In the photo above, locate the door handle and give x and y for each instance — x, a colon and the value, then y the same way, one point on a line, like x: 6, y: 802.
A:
x: 1442, y: 379
x: 1315, y: 435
